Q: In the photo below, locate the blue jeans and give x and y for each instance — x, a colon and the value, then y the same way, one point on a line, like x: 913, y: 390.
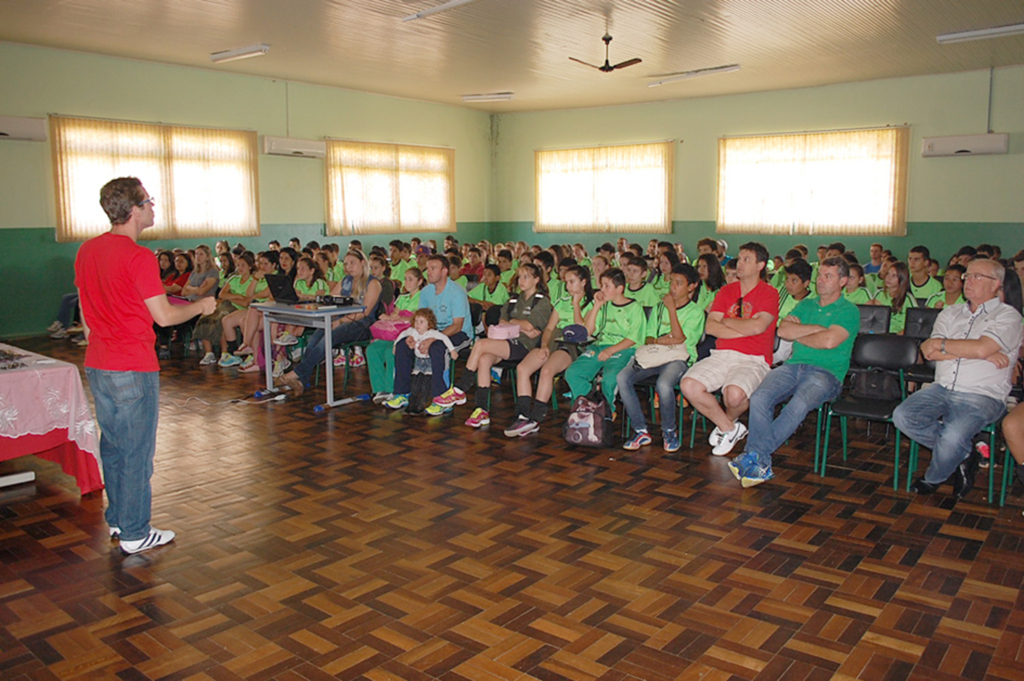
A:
x: 127, y: 409
x: 805, y: 386
x: 68, y: 307
x: 962, y: 416
x: 343, y: 333
x: 668, y: 375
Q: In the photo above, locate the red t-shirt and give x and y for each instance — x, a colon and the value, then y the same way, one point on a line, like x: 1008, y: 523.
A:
x: 762, y: 298
x: 179, y: 279
x: 114, y: 276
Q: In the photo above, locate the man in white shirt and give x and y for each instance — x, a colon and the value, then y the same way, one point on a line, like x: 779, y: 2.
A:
x: 974, y: 346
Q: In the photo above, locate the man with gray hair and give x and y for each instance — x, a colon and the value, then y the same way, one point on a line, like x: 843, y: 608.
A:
x: 974, y: 346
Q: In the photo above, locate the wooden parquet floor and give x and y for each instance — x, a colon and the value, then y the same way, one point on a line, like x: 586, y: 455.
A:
x: 359, y: 544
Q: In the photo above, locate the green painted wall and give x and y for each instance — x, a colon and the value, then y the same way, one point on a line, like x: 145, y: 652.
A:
x: 951, y: 201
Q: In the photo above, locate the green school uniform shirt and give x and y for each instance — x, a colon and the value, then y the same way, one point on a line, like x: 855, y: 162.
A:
x: 408, y: 302
x: 237, y: 286
x: 645, y: 295
x: 691, y: 320
x: 787, y: 305
x: 927, y: 290
x: 498, y: 297
x: 898, y: 321
x: 615, y: 323
x: 399, y: 269
x: 566, y: 316
x: 462, y: 281
x: 318, y: 287
x: 940, y: 299
x: 859, y: 297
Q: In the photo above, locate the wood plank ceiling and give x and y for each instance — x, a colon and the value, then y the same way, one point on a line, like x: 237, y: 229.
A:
x: 523, y: 46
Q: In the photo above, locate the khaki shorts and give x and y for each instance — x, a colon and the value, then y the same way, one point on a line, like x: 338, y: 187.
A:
x: 729, y: 367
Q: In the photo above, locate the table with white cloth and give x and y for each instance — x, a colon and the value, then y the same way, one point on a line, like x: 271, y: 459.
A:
x: 44, y: 412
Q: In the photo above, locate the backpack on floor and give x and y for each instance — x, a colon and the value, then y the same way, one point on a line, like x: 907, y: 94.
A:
x: 590, y: 421
x: 419, y: 393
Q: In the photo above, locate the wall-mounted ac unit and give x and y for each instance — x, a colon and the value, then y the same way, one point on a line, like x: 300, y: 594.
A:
x: 966, y: 145
x: 20, y: 128
x: 289, y: 146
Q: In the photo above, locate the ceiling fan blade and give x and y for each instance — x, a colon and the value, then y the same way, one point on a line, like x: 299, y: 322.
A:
x: 630, y: 62
x: 580, y: 61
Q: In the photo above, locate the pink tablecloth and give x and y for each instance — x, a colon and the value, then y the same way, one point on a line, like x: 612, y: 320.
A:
x: 44, y: 411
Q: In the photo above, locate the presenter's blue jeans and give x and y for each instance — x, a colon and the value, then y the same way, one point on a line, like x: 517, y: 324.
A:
x: 951, y: 438
x: 127, y: 409
x: 805, y: 386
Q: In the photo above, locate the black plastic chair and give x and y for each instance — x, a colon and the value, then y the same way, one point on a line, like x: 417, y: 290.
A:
x: 890, y: 353
x: 920, y: 321
x: 874, y: 319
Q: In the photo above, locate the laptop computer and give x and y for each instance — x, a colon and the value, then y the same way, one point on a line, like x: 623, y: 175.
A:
x: 281, y: 288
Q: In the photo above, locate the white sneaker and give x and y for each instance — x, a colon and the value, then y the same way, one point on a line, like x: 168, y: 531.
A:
x: 730, y: 439
x: 53, y: 328
x: 381, y: 398
x: 208, y: 358
x: 280, y: 366
x: 59, y: 334
x: 715, y: 437
x: 286, y: 339
x: 154, y: 539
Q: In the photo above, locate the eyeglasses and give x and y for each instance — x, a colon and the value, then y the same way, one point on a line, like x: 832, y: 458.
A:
x: 151, y: 201
x: 977, y: 275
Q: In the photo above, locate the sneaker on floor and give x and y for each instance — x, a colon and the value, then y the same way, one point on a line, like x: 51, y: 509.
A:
x: 671, y: 441
x: 55, y: 327
x: 76, y: 328
x: 229, y: 360
x: 756, y: 474
x: 244, y: 350
x: 496, y: 375
x: 339, y: 361
x: 715, y: 437
x: 739, y: 465
x: 478, y: 418
x: 154, y: 539
x: 451, y: 398
x: 208, y: 358
x: 984, y: 454
x: 729, y: 440
x: 435, y: 408
x: 59, y: 334
x: 286, y: 339
x: 280, y: 366
x: 82, y: 342
x: 523, y: 426
x: 641, y: 439
x: 357, y: 361
x: 397, y: 402
x: 249, y: 366
x: 381, y: 398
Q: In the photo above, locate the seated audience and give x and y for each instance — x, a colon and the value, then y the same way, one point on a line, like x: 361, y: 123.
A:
x: 896, y: 295
x: 234, y: 296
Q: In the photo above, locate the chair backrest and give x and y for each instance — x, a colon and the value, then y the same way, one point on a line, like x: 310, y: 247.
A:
x: 884, y: 351
x: 874, y: 318
x: 920, y: 321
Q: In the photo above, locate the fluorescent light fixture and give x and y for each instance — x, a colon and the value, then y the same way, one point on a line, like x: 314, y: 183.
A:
x: 443, y: 7
x: 239, y: 53
x: 490, y: 97
x: 980, y: 34
x: 696, y: 73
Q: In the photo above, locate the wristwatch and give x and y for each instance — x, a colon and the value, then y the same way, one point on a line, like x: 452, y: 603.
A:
x: 943, y: 348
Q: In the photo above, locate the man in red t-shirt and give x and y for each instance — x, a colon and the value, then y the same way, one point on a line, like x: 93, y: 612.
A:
x: 121, y: 296
x: 743, y: 319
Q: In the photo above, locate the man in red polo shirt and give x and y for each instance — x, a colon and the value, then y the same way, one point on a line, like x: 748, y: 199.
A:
x: 121, y: 296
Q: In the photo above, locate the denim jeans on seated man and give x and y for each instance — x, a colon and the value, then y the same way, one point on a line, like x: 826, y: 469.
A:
x: 668, y: 375
x: 805, y: 386
x: 405, y: 358
x: 127, y: 409
x: 945, y: 421
x: 343, y: 333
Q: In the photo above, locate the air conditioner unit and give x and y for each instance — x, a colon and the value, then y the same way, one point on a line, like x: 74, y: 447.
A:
x: 19, y: 128
x: 289, y: 146
x: 966, y: 145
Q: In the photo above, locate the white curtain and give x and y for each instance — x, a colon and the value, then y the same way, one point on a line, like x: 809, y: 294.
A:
x: 204, y: 181
x: 845, y: 183
x: 624, y: 188
x: 376, y: 188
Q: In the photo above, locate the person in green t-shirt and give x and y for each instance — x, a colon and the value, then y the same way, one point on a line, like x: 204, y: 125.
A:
x: 617, y: 325
x: 854, y: 291
x: 505, y: 265
x: 455, y: 271
x: 637, y: 287
x: 488, y: 297
x: 922, y: 285
x: 953, y: 285
x: 896, y: 296
x: 675, y: 321
x: 380, y: 355
x: 823, y: 330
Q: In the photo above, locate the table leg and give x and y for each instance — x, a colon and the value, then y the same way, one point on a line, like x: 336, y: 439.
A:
x: 329, y: 360
x: 268, y: 348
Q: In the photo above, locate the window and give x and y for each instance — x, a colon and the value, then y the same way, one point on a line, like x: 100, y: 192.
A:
x: 624, y: 188
x: 204, y: 180
x: 376, y: 188
x: 849, y: 182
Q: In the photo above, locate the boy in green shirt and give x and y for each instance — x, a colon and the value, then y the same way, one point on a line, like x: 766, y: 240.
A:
x: 489, y: 295
x: 637, y: 287
x: 617, y: 325
x: 505, y: 265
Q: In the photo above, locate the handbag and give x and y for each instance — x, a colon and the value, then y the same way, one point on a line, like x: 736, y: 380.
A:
x: 388, y: 329
x: 503, y: 331
x: 650, y: 356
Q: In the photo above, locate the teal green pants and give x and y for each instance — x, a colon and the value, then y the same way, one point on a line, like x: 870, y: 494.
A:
x: 581, y: 374
x: 380, y: 362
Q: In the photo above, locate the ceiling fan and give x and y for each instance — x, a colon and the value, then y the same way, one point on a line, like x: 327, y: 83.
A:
x: 608, y: 68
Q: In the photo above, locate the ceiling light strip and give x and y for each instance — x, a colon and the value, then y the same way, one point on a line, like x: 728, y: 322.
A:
x: 980, y: 34
x: 695, y: 74
x: 239, y: 53
x: 443, y: 7
x: 491, y: 97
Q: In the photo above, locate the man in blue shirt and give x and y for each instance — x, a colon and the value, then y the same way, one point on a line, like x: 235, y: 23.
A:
x: 450, y: 304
